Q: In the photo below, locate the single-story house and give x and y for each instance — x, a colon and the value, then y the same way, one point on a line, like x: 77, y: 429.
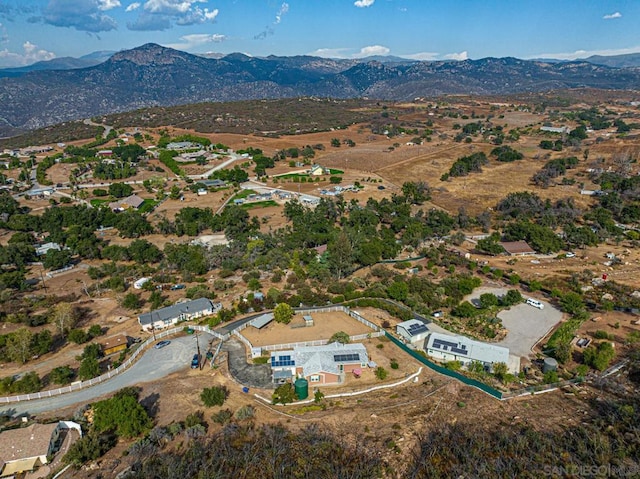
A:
x: 165, y: 317
x: 447, y: 347
x: 114, y: 344
x: 182, y: 145
x: 133, y: 201
x: 26, y: 448
x: 320, y: 365
x: 45, y: 248
x: 413, y: 331
x: 555, y: 129
x: 318, y: 170
x: 517, y: 248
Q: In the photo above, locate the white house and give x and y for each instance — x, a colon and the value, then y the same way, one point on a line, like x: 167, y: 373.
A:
x: 447, y: 347
x: 165, y: 317
x: 412, y: 331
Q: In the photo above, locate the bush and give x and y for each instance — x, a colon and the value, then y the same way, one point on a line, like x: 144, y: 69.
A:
x: 340, y: 337
x: 394, y: 364
x: 62, y: 375
x: 214, y: 396
x: 381, y: 373
x: 284, y: 394
x: 245, y: 412
x: 89, y: 448
x: 122, y: 414
x: 222, y: 417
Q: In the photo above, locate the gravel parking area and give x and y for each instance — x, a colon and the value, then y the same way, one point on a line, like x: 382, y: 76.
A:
x: 525, y: 324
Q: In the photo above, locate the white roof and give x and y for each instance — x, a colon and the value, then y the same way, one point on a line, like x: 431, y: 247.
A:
x: 413, y: 327
x: 465, y: 347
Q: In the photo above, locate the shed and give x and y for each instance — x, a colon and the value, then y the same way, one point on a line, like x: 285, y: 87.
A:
x: 262, y: 320
x: 308, y: 320
x: 414, y: 331
x: 114, y: 344
x: 517, y: 248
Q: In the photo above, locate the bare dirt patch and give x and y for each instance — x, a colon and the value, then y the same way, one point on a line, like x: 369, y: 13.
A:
x: 324, y: 326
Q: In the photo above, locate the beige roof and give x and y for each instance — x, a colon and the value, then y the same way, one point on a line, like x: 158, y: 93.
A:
x: 26, y: 442
x: 114, y: 341
x: 517, y: 247
x: 133, y: 201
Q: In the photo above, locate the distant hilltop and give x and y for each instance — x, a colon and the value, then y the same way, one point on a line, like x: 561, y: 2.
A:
x: 152, y: 75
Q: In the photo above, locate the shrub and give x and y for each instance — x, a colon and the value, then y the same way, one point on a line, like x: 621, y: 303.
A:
x: 89, y: 448
x: 214, y: 396
x: 394, y: 364
x: 222, y: 417
x: 340, y: 337
x: 245, y: 412
x: 381, y: 373
x: 61, y: 375
x: 284, y: 394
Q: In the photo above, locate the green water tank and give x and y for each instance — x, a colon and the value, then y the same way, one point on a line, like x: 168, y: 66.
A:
x: 302, y: 388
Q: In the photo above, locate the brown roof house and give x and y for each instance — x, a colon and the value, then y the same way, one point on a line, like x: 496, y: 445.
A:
x: 517, y: 248
x: 133, y: 201
x: 114, y: 344
x: 27, y: 448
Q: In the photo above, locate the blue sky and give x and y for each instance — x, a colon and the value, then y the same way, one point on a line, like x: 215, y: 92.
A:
x: 33, y: 30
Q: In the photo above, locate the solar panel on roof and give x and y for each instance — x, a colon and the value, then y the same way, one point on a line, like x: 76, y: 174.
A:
x: 417, y: 328
x: 450, y: 346
x: 346, y: 357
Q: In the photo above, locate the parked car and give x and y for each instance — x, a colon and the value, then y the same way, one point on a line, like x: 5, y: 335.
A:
x: 162, y: 344
x: 195, y: 362
x: 177, y: 286
x: 570, y: 255
x: 535, y: 303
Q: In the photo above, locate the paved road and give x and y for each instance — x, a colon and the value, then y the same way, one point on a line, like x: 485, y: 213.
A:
x: 153, y: 365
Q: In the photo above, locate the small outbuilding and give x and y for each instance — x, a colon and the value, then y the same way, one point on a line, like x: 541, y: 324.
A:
x: 412, y: 331
x: 114, y: 344
x: 517, y: 248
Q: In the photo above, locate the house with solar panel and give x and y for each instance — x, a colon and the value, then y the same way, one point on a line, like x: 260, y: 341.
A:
x: 446, y: 347
x: 320, y: 365
x: 413, y: 331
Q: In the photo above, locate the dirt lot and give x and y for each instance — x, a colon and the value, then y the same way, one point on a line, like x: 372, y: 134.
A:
x: 324, y: 326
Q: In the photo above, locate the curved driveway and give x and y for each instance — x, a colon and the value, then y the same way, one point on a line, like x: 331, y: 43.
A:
x: 154, y: 364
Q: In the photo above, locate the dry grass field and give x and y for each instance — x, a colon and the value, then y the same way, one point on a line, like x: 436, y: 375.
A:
x: 324, y: 326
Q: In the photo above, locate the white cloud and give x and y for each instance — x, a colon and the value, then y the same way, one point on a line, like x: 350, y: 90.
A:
x: 331, y: 53
x: 611, y: 16
x: 108, y: 4
x: 197, y: 39
x: 587, y: 53
x: 31, y: 54
x: 163, y: 14
x: 284, y: 8
x: 457, y: 56
x: 371, y: 51
x: 363, y: 3
x: 422, y: 56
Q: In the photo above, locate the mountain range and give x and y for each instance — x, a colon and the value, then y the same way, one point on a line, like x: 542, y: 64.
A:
x: 152, y: 75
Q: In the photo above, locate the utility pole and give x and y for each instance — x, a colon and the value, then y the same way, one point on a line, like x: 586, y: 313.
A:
x: 198, y: 347
x: 43, y: 283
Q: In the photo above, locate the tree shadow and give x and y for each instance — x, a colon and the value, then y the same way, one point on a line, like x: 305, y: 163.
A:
x: 151, y: 404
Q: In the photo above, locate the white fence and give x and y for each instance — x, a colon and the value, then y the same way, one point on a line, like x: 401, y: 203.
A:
x: 108, y: 375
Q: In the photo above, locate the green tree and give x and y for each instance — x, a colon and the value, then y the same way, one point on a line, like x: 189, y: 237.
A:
x: 340, y: 337
x: 284, y: 394
x: 89, y: 369
x: 89, y: 448
x: 61, y: 375
x: 214, y: 396
x: 283, y: 313
x: 122, y: 414
x: 131, y: 301
x: 120, y: 190
x: 572, y: 303
x: 18, y: 346
x: 500, y: 370
x: 64, y: 317
x: 398, y: 290
x: 488, y: 300
x: 78, y: 336
x: 55, y: 259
